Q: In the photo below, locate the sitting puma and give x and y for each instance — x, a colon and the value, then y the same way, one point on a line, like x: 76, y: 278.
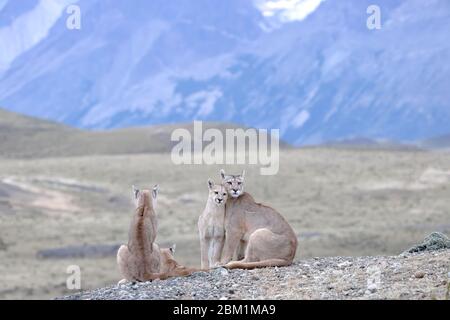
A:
x: 211, y: 226
x: 254, y: 231
x: 167, y: 259
x: 141, y: 259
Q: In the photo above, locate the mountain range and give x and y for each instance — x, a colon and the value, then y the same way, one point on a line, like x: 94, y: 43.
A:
x: 319, y: 75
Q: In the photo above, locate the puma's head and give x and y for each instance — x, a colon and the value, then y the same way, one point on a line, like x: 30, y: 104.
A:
x: 167, y: 261
x: 168, y: 253
x: 217, y: 193
x: 145, y: 200
x: 234, y: 184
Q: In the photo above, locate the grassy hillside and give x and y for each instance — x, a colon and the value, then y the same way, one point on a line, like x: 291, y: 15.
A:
x: 27, y: 137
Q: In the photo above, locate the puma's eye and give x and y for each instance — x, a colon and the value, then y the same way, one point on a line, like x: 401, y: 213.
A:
x: 216, y: 192
x: 239, y: 183
x: 224, y: 194
x: 230, y: 183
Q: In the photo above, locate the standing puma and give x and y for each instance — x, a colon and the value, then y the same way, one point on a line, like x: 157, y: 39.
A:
x: 141, y: 259
x: 211, y: 226
x: 256, y: 232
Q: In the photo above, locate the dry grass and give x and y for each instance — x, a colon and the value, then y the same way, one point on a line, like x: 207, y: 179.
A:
x: 340, y: 202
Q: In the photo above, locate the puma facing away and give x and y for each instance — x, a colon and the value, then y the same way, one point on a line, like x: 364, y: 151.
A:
x: 142, y: 259
x: 255, y: 233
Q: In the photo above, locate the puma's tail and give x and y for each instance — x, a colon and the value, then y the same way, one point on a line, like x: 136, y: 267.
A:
x: 177, y: 272
x: 257, y: 264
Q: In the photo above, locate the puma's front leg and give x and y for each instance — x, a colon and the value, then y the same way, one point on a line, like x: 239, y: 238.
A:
x: 217, y: 247
x: 241, y: 250
x: 230, y: 246
x: 204, y: 247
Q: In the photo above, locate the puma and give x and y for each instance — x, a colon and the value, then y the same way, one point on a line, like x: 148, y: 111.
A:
x: 211, y: 226
x: 170, y: 267
x: 254, y: 232
x: 142, y: 259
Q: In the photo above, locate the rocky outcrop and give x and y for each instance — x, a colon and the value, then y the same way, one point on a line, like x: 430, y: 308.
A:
x: 434, y: 241
x: 423, y: 275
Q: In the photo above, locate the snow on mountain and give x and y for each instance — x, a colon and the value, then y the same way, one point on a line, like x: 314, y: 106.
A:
x: 28, y: 29
x: 311, y: 68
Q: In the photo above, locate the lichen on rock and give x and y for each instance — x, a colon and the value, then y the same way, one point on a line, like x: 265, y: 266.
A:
x: 434, y: 241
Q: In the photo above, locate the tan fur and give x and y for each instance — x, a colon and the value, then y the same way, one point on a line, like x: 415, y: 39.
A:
x: 171, y: 268
x: 211, y: 226
x: 254, y: 232
x: 142, y: 259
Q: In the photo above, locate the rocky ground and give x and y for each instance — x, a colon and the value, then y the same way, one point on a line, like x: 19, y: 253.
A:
x: 423, y: 275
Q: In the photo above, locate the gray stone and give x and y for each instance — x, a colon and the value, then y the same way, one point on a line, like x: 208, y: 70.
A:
x: 419, y: 274
x: 435, y: 241
x: 372, y: 288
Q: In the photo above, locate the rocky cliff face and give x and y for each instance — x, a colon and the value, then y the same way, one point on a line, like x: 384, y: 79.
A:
x: 422, y: 274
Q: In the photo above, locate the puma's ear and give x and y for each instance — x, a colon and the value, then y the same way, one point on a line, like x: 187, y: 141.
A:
x: 222, y: 173
x: 135, y: 192
x: 243, y: 174
x: 210, y: 184
x: 172, y: 248
x: 155, y: 191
